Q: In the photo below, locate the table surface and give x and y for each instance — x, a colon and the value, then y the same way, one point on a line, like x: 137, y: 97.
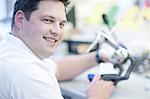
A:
x: 133, y: 88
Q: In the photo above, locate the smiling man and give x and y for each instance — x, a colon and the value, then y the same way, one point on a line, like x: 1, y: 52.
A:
x: 42, y: 31
x: 26, y: 72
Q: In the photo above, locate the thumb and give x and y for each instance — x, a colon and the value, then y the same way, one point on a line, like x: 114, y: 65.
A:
x: 96, y: 77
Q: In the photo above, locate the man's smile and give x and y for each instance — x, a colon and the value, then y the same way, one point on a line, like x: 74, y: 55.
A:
x: 51, y: 40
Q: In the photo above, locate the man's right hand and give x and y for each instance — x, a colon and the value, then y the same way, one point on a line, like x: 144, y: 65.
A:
x: 99, y: 89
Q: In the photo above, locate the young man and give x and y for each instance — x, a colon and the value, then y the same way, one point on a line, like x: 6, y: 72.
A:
x: 25, y: 70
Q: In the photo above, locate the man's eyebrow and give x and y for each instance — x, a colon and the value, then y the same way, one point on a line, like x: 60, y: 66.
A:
x: 52, y: 17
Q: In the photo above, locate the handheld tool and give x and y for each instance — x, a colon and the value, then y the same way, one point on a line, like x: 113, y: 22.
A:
x: 125, y: 68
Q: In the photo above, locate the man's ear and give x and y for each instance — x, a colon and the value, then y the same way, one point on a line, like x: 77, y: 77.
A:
x: 19, y: 17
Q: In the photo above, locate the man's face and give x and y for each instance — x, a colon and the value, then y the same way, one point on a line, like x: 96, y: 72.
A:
x: 44, y: 30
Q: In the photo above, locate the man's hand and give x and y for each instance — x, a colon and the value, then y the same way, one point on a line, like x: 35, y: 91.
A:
x: 99, y: 89
x: 113, y: 56
x: 119, y: 56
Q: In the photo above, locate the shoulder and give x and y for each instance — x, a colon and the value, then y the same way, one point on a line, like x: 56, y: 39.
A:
x: 32, y: 82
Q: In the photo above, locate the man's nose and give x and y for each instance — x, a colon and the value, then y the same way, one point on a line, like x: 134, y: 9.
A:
x: 55, y: 28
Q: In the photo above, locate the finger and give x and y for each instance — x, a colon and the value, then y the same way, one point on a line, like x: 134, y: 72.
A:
x: 110, y: 83
x: 96, y: 77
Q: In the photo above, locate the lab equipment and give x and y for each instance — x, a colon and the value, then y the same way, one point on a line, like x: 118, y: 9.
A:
x: 125, y: 67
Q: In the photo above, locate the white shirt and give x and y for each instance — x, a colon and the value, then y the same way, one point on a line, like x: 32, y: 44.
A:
x: 23, y: 75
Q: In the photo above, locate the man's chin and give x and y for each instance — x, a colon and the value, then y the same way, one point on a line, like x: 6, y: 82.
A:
x: 50, y: 53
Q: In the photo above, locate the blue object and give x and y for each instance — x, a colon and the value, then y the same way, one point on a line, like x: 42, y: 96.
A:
x: 90, y: 77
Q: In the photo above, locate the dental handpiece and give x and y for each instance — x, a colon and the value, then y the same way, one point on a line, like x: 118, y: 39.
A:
x: 106, y: 36
x: 94, y: 43
x: 108, y: 39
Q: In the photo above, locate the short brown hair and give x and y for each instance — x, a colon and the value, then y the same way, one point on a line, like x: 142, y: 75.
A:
x: 28, y: 6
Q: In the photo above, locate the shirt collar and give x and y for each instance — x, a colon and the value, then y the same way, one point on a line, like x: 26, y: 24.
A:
x: 19, y: 43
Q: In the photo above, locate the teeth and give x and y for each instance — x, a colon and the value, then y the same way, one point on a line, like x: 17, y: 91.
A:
x: 50, y: 40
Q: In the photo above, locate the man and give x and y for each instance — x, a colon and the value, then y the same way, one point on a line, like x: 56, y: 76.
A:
x: 25, y: 70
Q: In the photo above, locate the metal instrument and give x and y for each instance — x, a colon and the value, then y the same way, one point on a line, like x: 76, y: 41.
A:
x: 125, y: 68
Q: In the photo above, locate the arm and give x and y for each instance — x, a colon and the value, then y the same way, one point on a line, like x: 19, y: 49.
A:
x: 71, y: 66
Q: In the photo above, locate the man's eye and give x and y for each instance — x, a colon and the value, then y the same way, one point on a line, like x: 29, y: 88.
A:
x: 48, y: 21
x: 62, y: 25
